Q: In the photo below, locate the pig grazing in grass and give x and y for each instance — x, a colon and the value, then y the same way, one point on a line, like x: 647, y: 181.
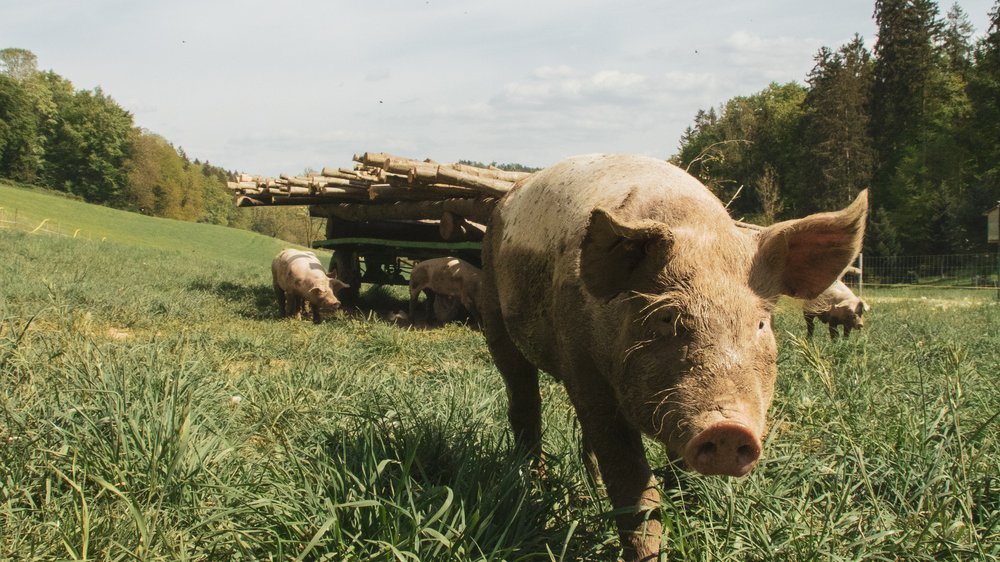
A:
x: 836, y: 306
x: 625, y: 278
x: 299, y: 277
x: 450, y: 277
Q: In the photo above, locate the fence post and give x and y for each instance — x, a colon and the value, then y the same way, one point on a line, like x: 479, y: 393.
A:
x: 861, y: 274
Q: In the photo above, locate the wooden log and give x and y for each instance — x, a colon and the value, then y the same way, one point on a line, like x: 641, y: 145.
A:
x: 376, y: 159
x: 245, y: 201
x: 345, y: 174
x: 340, y: 193
x: 299, y: 182
x: 477, y: 210
x: 401, y: 166
x: 394, y: 192
x: 454, y: 228
x: 422, y: 173
x: 396, y: 180
x: 486, y: 185
x: 342, y: 182
x: 256, y: 201
x: 492, y: 172
x: 362, y: 173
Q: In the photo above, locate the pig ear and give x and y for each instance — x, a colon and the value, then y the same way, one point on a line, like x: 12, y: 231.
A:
x: 332, y: 274
x: 800, y: 258
x: 316, y: 291
x: 861, y: 308
x: 619, y: 256
x: 337, y: 284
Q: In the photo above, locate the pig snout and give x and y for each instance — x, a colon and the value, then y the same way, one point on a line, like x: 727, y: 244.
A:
x: 330, y: 303
x: 725, y: 447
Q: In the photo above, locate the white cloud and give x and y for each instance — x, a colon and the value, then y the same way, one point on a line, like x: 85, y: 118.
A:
x: 780, y: 58
x: 545, y: 72
x: 514, y: 81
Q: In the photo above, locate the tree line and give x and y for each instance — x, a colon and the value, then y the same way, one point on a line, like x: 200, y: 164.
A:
x: 81, y: 142
x: 916, y: 119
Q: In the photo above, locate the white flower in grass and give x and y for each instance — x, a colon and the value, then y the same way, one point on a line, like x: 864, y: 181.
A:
x: 235, y: 400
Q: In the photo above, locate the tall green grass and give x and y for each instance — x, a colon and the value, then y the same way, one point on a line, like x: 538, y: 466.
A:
x: 153, y: 406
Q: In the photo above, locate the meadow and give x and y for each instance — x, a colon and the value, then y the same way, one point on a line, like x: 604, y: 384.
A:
x: 153, y: 406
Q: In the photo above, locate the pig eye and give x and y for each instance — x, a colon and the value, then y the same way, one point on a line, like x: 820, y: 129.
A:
x: 762, y: 324
x: 669, y: 323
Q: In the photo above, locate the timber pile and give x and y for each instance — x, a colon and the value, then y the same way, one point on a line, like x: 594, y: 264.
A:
x: 383, y: 187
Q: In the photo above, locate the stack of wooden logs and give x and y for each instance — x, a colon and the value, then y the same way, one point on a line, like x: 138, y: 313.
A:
x: 384, y: 187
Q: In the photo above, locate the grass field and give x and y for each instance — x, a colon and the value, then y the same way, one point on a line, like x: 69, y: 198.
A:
x: 154, y: 407
x: 70, y: 217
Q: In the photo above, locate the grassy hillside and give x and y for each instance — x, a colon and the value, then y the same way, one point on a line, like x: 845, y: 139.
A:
x: 94, y: 222
x: 153, y: 407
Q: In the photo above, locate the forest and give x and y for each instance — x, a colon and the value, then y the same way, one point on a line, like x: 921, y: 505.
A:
x: 83, y: 143
x: 916, y: 118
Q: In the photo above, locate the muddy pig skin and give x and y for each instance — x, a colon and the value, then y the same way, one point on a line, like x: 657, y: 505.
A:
x: 625, y: 278
x: 836, y: 306
x: 298, y: 277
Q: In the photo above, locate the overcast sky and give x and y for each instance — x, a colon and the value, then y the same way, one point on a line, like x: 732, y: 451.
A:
x: 270, y: 87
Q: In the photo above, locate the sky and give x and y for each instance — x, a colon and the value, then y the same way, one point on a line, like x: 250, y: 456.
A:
x: 280, y: 87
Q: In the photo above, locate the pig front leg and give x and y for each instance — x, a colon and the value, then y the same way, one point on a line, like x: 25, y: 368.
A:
x: 293, y: 305
x: 429, y: 297
x: 414, y: 295
x: 627, y: 477
x: 317, y: 319
x: 524, y: 400
x: 834, y: 333
x: 809, y: 325
x: 279, y: 293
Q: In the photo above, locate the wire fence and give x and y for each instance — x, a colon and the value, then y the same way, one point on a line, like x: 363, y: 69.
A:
x: 12, y: 219
x: 959, y: 271
x: 966, y: 271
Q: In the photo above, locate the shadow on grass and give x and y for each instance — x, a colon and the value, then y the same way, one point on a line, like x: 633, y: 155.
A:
x: 254, y: 302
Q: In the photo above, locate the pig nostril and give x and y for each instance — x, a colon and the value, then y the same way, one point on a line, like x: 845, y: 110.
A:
x: 706, y: 451
x: 747, y: 452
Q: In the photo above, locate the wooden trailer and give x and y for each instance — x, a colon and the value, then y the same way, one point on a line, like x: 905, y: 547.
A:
x: 387, y: 213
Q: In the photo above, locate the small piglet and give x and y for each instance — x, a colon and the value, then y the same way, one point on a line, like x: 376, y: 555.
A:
x: 836, y: 306
x: 298, y: 277
x: 447, y: 277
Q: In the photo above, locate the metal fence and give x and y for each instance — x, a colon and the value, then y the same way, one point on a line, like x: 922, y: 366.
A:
x: 946, y: 271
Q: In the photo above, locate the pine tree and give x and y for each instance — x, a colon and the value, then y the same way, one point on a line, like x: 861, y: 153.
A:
x: 839, y: 154
x: 905, y: 55
x: 984, y: 96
